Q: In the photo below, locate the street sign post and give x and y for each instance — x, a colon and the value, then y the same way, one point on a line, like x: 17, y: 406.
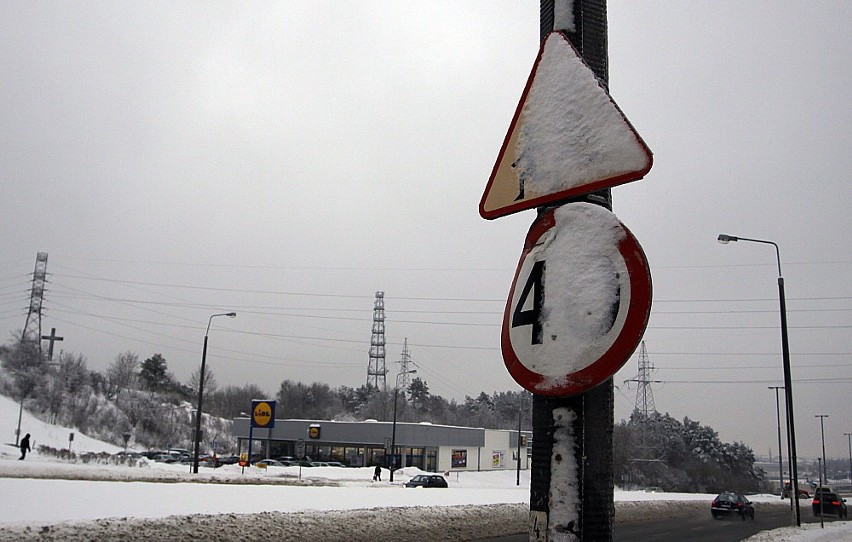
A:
x: 579, y: 303
x: 567, y: 138
x: 263, y: 416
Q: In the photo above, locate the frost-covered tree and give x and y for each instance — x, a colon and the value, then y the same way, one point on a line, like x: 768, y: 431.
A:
x: 122, y: 373
x: 682, y: 456
x: 66, y: 379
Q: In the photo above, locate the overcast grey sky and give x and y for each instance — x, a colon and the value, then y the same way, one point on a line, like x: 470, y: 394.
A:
x: 286, y: 160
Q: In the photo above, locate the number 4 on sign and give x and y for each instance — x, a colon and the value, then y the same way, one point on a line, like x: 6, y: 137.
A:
x: 579, y: 332
x: 531, y: 317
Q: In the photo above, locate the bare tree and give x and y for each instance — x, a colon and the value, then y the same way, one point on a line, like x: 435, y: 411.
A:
x: 66, y: 380
x: 210, y: 385
x: 122, y: 373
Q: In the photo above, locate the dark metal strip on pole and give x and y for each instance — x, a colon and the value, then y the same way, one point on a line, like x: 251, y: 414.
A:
x: 780, y: 455
x: 788, y: 388
x: 594, y: 410
x: 393, y: 435
x: 197, y: 438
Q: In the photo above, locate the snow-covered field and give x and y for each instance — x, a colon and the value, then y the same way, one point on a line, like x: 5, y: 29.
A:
x: 44, y: 498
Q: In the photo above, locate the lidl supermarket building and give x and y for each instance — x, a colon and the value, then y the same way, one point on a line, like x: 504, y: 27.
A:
x: 432, y: 448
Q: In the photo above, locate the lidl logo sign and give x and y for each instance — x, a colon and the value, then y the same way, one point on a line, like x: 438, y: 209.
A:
x: 314, y: 431
x: 263, y: 414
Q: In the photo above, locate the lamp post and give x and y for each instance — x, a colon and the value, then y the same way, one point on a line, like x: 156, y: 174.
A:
x: 778, y: 418
x: 821, y: 494
x: 849, y: 438
x: 788, y: 385
x: 822, y: 435
x: 393, y: 431
x: 197, y: 438
x: 823, y: 476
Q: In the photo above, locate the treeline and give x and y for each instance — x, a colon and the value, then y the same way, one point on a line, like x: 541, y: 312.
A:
x: 658, y: 450
x: 145, y: 400
x: 499, y: 410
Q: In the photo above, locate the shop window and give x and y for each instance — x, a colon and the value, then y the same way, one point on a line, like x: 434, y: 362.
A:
x: 459, y: 459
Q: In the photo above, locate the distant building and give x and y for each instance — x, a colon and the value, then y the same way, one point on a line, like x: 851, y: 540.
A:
x: 432, y: 448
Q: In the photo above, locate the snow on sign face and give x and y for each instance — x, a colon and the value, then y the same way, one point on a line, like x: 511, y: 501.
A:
x: 579, y: 303
x: 567, y: 138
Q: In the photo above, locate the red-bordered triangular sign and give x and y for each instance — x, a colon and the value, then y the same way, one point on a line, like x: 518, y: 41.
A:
x: 567, y: 138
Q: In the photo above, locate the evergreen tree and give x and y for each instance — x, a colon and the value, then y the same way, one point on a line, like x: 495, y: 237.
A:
x: 154, y: 373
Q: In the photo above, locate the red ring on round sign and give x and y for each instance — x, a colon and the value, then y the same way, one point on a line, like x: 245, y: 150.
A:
x: 635, y: 322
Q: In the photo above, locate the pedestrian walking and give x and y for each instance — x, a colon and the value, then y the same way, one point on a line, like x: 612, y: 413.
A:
x: 25, y: 446
x: 377, y: 474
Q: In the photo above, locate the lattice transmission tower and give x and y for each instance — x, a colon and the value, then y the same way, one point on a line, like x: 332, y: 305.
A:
x: 404, y: 369
x: 644, y: 405
x: 376, y: 371
x: 645, y: 445
x: 32, y: 327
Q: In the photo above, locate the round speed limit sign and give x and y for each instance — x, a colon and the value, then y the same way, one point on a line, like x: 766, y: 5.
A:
x: 579, y: 303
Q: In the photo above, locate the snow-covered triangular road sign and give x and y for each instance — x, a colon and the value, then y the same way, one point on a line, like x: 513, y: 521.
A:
x: 567, y: 138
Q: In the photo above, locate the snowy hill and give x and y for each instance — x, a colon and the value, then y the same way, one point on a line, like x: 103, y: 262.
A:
x: 42, y: 433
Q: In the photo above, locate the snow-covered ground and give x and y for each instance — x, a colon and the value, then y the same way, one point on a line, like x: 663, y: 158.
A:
x: 44, y: 498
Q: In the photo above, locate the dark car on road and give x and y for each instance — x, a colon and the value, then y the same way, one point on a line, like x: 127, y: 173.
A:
x: 829, y: 503
x: 427, y: 480
x: 729, y: 503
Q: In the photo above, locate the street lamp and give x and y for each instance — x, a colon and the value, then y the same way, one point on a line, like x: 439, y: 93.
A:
x: 393, y: 431
x: 821, y: 494
x: 201, y: 391
x: 788, y: 384
x: 778, y: 418
x: 823, y: 475
x: 849, y: 438
x: 822, y: 434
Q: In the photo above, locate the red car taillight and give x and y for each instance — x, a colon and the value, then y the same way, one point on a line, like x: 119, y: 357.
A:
x: 816, y: 501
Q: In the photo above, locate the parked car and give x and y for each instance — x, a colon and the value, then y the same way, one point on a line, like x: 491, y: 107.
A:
x: 427, y: 480
x: 829, y: 503
x: 229, y: 459
x: 729, y: 503
x: 298, y: 463
x: 263, y: 463
x: 165, y: 458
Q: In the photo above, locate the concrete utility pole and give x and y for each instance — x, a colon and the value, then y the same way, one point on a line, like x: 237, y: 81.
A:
x: 592, y: 424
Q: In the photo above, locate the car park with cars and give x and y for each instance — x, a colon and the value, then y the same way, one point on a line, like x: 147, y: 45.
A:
x: 427, y: 480
x: 729, y: 503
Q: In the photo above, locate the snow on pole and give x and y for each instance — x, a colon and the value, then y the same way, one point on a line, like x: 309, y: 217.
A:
x: 564, y: 518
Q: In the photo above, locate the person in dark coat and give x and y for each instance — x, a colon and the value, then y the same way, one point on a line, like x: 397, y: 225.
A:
x: 25, y: 446
x: 377, y: 474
